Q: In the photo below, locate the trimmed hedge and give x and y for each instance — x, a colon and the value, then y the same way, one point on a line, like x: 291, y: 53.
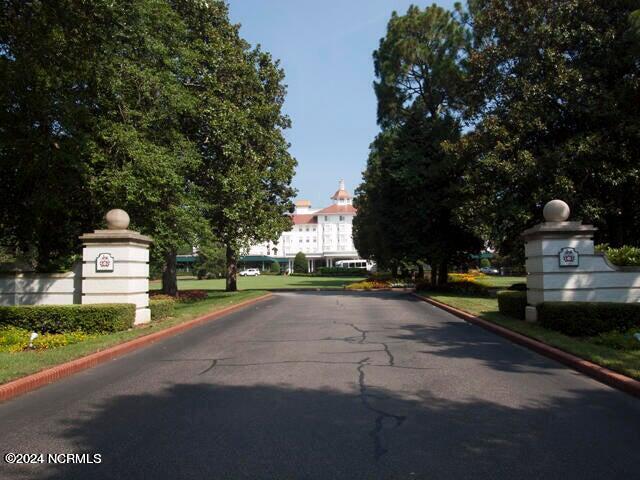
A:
x: 162, y: 308
x: 512, y: 303
x: 583, y: 319
x: 336, y: 272
x: 95, y: 318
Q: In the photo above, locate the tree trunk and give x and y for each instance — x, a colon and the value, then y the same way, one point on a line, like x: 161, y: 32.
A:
x: 443, y: 273
x: 232, y: 270
x: 434, y: 276
x: 170, y: 274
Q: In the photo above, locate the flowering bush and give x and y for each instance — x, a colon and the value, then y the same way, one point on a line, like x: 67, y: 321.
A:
x: 368, y: 285
x: 13, y: 339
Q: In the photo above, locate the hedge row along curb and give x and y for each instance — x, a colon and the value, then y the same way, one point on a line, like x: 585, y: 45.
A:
x: 601, y: 374
x: 34, y: 381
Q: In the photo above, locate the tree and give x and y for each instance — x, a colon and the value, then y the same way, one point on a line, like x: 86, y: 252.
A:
x: 99, y: 126
x: 300, y: 264
x: 553, y: 95
x: 211, y: 260
x: 246, y: 174
x: 275, y: 267
x: 408, y: 203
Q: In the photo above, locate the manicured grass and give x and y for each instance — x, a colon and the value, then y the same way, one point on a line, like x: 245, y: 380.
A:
x: 500, y: 282
x: 15, y: 365
x: 617, y: 352
x: 266, y: 282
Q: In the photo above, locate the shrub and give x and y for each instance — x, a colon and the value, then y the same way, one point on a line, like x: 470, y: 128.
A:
x: 158, y: 295
x: 275, y: 268
x: 625, y: 256
x: 519, y: 287
x: 336, y: 272
x: 512, y: 303
x: 95, y: 318
x: 162, y: 308
x: 587, y: 318
x: 300, y: 263
x: 192, y: 295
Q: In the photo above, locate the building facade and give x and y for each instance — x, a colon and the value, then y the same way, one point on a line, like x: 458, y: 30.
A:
x: 324, y: 235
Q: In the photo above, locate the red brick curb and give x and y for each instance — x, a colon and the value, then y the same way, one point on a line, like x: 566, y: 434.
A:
x: 602, y: 374
x: 36, y: 380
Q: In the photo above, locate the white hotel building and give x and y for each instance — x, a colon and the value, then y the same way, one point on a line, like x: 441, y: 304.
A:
x: 323, y: 235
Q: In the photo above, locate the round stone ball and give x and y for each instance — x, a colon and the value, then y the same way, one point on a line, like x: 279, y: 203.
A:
x: 556, y: 211
x: 117, y: 219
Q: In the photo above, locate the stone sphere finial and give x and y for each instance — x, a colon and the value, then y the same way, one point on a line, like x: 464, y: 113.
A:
x: 556, y: 211
x: 117, y: 219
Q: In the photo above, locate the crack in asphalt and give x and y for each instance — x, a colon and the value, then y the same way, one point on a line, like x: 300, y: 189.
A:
x: 376, y: 433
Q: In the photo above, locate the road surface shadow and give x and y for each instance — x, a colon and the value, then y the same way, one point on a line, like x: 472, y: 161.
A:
x: 208, y: 431
x: 458, y: 339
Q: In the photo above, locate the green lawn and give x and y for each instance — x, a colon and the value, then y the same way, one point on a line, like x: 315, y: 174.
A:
x: 14, y: 365
x: 266, y: 282
x: 615, y: 351
x: 500, y: 282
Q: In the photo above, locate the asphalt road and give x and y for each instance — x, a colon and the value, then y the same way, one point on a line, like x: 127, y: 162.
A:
x: 328, y: 385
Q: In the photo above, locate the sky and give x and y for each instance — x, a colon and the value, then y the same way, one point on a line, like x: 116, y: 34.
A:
x: 325, y: 48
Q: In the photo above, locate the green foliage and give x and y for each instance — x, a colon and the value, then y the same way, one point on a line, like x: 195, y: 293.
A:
x: 485, y: 263
x: 625, y: 256
x: 337, y: 272
x: 211, y: 260
x: 411, y: 191
x: 98, y: 318
x: 553, y: 96
x: 275, y: 268
x: 162, y: 308
x: 512, y: 303
x: 300, y: 264
x: 587, y: 318
x: 156, y: 106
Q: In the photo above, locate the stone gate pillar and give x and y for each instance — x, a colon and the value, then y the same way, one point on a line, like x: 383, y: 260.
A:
x: 115, y: 265
x: 560, y: 257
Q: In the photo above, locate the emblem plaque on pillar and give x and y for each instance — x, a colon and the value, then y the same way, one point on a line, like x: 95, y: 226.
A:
x: 104, y: 262
x: 569, y: 257
x: 116, y: 265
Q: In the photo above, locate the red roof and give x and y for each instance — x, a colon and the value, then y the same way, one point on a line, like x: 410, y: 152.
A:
x: 341, y: 195
x: 305, y: 218
x: 336, y: 209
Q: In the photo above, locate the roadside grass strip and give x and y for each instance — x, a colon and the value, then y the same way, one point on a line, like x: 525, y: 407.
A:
x: 18, y: 360
x: 619, y: 352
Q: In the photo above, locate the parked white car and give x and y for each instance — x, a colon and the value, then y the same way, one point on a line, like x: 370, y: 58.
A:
x: 489, y: 271
x: 250, y: 272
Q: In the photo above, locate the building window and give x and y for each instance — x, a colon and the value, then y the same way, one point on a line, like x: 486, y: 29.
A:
x: 326, y: 218
x: 342, y: 218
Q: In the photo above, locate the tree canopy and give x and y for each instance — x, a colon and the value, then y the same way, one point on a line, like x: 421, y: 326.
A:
x: 158, y: 107
x: 488, y: 114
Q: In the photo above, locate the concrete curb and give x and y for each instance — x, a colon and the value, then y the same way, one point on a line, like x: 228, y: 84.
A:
x: 23, y: 385
x: 602, y: 374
